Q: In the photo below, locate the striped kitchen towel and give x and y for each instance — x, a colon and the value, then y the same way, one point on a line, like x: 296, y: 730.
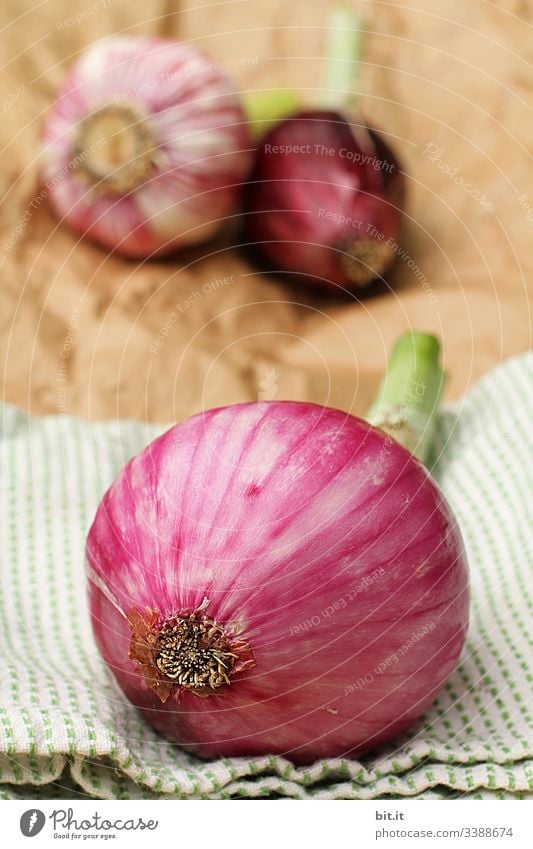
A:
x: 65, y: 728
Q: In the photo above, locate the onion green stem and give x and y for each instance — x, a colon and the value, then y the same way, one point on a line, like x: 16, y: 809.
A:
x: 407, y: 401
x: 341, y: 83
x: 343, y: 54
x: 265, y: 108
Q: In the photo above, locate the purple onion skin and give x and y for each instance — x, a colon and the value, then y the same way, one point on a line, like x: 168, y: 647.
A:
x: 332, y: 216
x: 322, y: 540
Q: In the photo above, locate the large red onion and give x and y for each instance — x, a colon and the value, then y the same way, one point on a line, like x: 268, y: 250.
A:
x: 278, y: 577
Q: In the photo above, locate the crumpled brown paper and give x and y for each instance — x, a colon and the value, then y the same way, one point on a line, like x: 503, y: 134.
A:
x: 450, y: 84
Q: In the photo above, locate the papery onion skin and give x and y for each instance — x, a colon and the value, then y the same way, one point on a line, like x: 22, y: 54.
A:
x: 325, y: 201
x: 184, y: 138
x: 321, y: 542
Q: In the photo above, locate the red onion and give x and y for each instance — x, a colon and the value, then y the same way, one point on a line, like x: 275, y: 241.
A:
x: 146, y: 146
x: 280, y: 577
x: 326, y: 193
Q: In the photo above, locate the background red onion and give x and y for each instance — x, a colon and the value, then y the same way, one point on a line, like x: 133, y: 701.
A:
x: 323, y: 551
x: 326, y: 194
x: 325, y: 200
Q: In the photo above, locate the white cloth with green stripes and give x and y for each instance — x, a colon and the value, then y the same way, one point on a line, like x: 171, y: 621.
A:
x: 65, y: 729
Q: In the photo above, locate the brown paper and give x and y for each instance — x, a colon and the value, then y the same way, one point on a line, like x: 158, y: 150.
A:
x: 90, y: 334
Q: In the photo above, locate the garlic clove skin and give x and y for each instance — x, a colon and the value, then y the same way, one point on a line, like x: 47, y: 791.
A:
x: 146, y: 147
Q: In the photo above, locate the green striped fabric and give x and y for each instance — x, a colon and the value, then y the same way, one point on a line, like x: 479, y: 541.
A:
x: 66, y: 730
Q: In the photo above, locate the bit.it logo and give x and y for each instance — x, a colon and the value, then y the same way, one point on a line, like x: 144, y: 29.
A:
x: 32, y: 822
